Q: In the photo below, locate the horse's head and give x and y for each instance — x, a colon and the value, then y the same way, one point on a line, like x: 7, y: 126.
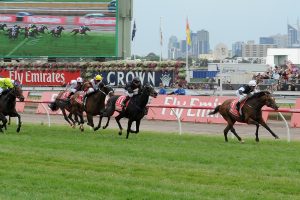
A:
x: 270, y: 101
x: 149, y: 90
x: 86, y: 85
x: 108, y: 90
x: 18, y: 92
x: 266, y: 98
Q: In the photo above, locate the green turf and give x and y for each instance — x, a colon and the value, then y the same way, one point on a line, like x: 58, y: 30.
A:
x: 62, y: 163
x: 93, y: 44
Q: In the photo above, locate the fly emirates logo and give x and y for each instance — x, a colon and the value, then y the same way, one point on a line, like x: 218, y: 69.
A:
x: 37, y: 77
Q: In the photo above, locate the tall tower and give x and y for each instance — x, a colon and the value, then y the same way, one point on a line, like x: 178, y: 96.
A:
x: 203, y: 41
x: 292, y: 36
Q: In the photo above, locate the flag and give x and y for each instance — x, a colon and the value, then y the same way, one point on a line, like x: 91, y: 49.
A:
x: 188, y: 33
x: 133, y: 31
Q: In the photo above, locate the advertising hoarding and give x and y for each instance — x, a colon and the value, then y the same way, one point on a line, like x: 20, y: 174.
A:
x: 58, y: 29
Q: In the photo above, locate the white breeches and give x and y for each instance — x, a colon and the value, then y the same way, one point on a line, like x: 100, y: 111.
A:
x: 90, y: 90
x: 241, y: 96
x: 1, y: 90
x: 72, y: 90
x: 135, y: 92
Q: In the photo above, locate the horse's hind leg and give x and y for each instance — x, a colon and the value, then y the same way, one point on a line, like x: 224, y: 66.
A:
x: 99, y: 123
x: 107, y: 123
x: 256, y: 133
x: 4, y: 121
x: 119, y: 124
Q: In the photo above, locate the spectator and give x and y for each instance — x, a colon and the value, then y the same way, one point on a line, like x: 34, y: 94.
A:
x: 162, y: 89
x: 179, y: 91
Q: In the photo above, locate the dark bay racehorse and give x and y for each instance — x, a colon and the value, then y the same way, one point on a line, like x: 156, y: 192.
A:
x: 251, y: 111
x: 75, y: 31
x: 56, y: 32
x: 135, y: 110
x: 94, y: 104
x: 42, y: 29
x: 8, y: 106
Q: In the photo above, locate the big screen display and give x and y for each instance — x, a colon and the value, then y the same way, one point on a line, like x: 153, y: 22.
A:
x: 61, y: 28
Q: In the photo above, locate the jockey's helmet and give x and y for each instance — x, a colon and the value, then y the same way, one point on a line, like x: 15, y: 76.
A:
x: 252, y: 83
x: 98, y: 77
x: 79, y: 80
x: 136, y: 80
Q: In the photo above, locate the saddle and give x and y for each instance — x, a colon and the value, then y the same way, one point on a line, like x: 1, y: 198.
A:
x: 233, y: 109
x: 119, y: 101
x: 80, y: 97
x: 64, y: 95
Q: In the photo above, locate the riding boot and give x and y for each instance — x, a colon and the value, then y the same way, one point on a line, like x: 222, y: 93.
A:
x: 69, y: 96
x: 238, y: 106
x: 146, y: 111
x: 123, y: 104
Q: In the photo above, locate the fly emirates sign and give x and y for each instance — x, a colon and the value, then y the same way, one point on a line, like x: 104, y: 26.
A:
x: 41, y: 78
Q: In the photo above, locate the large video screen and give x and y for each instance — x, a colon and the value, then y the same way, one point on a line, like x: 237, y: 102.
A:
x: 64, y: 28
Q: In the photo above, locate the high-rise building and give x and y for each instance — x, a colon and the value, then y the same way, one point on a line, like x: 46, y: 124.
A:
x: 237, y: 49
x: 293, y: 37
x: 251, y: 50
x: 266, y: 40
x: 173, y: 48
x: 280, y: 40
x: 203, y: 41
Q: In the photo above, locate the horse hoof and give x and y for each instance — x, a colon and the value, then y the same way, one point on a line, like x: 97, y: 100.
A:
x: 18, y: 130
x: 277, y: 137
x: 95, y: 129
x: 242, y: 141
x: 120, y: 132
x: 104, y: 127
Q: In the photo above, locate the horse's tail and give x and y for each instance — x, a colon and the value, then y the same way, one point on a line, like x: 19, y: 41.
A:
x: 215, y: 111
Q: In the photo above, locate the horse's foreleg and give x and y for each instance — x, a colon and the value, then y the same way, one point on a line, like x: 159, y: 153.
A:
x: 81, y: 121
x: 119, y: 124
x: 263, y: 123
x: 99, y: 123
x: 236, y: 135
x: 128, y: 127
x: 137, y: 124
x: 71, y: 119
x: 4, y: 121
x: 66, y: 117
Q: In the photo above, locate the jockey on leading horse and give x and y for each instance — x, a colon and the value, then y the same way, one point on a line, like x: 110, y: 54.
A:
x: 5, y: 85
x: 244, y: 92
x: 132, y: 88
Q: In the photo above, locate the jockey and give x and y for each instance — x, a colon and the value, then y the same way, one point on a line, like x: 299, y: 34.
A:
x: 132, y: 88
x: 245, y: 91
x: 96, y: 83
x: 79, y: 83
x: 5, y: 85
x: 81, y: 28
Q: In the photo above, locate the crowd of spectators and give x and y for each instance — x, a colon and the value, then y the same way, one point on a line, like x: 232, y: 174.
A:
x: 283, y: 77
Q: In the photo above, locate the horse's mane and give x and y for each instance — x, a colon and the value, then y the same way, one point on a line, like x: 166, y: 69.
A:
x: 259, y: 94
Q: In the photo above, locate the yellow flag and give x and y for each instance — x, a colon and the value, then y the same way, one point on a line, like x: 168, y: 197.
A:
x: 188, y: 33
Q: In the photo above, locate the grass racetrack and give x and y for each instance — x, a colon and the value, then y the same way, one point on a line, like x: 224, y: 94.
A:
x: 93, y: 44
x: 62, y: 163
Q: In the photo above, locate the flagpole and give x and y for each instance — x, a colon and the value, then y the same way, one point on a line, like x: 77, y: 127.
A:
x: 160, y: 36
x: 187, y: 77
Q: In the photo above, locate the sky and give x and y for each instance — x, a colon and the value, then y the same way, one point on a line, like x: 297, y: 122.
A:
x: 227, y: 21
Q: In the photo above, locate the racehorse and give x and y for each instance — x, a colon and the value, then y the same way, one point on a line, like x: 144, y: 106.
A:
x: 94, y: 103
x: 83, y: 31
x: 8, y: 105
x: 42, y: 29
x: 2, y: 26
x: 251, y: 111
x: 135, y: 110
x: 56, y: 32
x: 13, y: 33
x: 64, y: 105
x: 31, y: 32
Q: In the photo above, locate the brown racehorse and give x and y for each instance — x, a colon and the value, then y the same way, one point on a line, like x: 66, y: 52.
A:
x: 251, y: 111
x: 94, y: 103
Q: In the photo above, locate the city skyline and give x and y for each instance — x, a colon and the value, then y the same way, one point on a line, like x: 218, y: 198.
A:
x: 227, y: 22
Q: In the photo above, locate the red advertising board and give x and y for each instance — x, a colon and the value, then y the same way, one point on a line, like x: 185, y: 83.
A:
x: 21, y: 105
x: 295, y: 121
x: 41, y: 78
x: 95, y: 21
x: 188, y: 115
x: 7, y: 18
x: 45, y: 20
